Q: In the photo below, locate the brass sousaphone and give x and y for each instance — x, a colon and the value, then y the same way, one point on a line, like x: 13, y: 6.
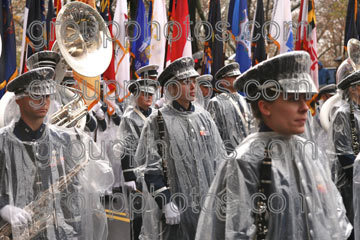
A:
x: 84, y: 39
x: 84, y: 42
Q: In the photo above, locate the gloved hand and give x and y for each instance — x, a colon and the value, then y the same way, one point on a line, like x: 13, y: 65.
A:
x: 14, y: 215
x: 104, y: 106
x: 131, y: 185
x: 90, y: 122
x: 172, y: 214
x: 99, y: 113
x: 116, y: 118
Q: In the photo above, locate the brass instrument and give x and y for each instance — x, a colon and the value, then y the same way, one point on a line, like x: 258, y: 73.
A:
x: 262, y: 217
x: 84, y: 39
x: 71, y: 114
x: 161, y: 128
x: 36, y: 208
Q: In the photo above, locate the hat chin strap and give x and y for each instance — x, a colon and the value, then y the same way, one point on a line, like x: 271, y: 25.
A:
x: 20, y: 96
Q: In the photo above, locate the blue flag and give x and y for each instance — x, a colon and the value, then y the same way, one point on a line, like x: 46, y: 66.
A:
x: 8, y: 69
x: 241, y: 32
x: 141, y: 47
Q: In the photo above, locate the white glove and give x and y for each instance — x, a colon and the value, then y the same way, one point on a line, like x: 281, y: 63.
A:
x: 172, y: 214
x: 131, y: 186
x: 99, y: 113
x: 14, y: 215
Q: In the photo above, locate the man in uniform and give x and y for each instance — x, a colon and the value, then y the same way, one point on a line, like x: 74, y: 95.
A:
x: 150, y: 72
x: 345, y: 132
x: 204, y: 83
x: 49, y: 181
x: 177, y: 154
x: 64, y: 77
x: 229, y: 109
x: 133, y: 120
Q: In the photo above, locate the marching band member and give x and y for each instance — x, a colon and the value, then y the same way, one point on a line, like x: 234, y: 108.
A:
x: 69, y: 81
x: 133, y: 121
x: 64, y: 77
x: 150, y: 72
x: 319, y: 134
x: 49, y: 180
x: 345, y: 137
x: 277, y: 187
x: 229, y: 109
x: 204, y: 83
x: 177, y: 154
x: 108, y: 118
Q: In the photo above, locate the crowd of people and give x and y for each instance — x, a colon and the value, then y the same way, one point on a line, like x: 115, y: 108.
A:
x: 234, y: 156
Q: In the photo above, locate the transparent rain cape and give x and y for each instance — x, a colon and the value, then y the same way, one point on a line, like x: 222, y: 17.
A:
x: 306, y: 204
x: 72, y: 209
x: 193, y: 150
x: 127, y: 137
x: 233, y: 128
x: 341, y: 137
x: 356, y: 200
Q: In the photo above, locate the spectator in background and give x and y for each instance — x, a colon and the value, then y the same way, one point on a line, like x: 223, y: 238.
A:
x: 324, y: 75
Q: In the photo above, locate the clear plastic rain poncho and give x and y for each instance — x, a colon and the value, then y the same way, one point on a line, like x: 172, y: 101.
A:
x: 356, y: 201
x: 304, y: 204
x: 106, y: 141
x: 343, y: 152
x: 127, y: 136
x: 233, y: 118
x: 192, y: 149
x: 65, y: 161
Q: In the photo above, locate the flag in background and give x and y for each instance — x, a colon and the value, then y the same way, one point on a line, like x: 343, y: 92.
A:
x: 58, y: 5
x: 89, y: 2
x: 158, y: 41
x: 258, y: 46
x: 306, y: 35
x: 8, y: 69
x: 352, y: 26
x: 122, y: 58
x: 141, y: 46
x: 181, y: 44
x: 33, y: 34
x: 50, y: 25
x: 109, y: 74
x: 230, y: 14
x: 241, y: 32
x: 171, y: 15
x: 282, y: 36
x: 213, y: 49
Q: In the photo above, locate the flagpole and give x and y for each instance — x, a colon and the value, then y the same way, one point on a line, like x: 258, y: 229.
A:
x: 23, y: 43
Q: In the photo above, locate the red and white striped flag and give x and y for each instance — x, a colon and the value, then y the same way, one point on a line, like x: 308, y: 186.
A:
x: 306, y: 35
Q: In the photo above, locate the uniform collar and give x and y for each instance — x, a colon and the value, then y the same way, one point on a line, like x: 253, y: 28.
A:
x: 145, y: 112
x: 180, y: 108
x: 25, y: 133
x: 264, y: 128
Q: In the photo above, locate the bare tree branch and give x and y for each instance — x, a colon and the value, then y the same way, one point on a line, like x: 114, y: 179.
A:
x: 325, y: 51
x: 296, y: 6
